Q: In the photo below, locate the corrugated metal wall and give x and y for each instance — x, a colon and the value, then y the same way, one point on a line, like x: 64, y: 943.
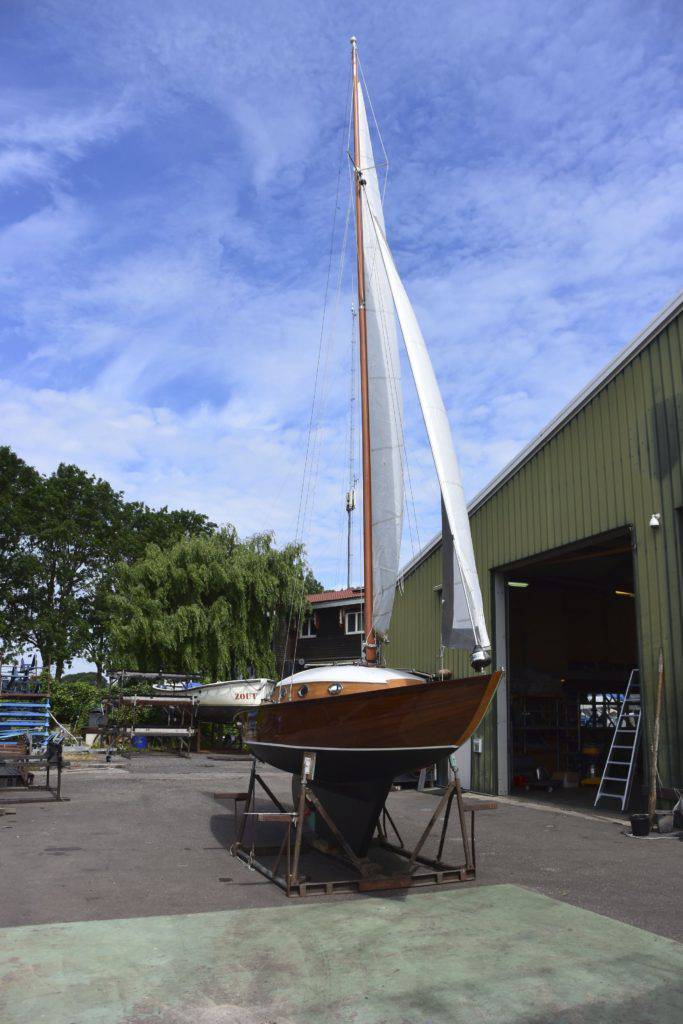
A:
x: 614, y: 464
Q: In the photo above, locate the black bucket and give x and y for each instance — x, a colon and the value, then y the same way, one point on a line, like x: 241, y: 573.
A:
x: 640, y: 824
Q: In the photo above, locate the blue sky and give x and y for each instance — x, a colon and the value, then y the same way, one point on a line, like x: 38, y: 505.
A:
x: 168, y: 177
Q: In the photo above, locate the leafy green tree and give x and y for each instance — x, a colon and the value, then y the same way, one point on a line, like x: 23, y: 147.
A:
x: 19, y: 486
x: 136, y: 527
x: 75, y: 517
x: 209, y: 604
x: 80, y: 677
x: 163, y: 526
x: 61, y: 539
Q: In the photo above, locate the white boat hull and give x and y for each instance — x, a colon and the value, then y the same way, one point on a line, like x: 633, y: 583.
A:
x: 218, y: 702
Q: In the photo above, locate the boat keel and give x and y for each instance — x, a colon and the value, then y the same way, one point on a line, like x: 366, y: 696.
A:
x: 354, y: 807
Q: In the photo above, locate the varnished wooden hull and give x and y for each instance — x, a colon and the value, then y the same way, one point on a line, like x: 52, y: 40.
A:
x: 374, y: 734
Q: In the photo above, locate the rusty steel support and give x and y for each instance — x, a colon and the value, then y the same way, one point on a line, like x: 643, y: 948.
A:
x: 419, y: 870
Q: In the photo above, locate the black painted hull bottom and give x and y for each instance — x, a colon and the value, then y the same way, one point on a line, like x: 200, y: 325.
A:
x: 352, y: 785
x: 354, y: 808
x: 340, y: 766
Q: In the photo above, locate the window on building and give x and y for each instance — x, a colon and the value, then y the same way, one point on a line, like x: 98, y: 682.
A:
x: 353, y: 622
x: 307, y: 629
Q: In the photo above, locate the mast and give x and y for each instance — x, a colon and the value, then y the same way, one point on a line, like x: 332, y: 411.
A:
x: 370, y: 649
x: 351, y: 493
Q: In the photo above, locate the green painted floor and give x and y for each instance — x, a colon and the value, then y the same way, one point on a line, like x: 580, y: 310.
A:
x: 500, y: 954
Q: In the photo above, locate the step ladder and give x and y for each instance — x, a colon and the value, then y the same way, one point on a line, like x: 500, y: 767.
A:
x: 617, y: 776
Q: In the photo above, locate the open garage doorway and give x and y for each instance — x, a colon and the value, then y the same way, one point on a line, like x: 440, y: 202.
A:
x: 571, y: 645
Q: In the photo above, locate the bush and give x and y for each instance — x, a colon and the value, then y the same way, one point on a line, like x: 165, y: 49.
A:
x: 72, y: 700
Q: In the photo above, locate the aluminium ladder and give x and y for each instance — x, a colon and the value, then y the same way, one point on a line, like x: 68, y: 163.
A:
x: 621, y: 760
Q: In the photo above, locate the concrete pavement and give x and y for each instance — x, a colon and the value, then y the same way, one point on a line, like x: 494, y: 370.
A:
x: 112, y: 908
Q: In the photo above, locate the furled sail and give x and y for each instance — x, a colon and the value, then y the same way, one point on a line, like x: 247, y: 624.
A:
x: 386, y: 402
x: 463, y: 623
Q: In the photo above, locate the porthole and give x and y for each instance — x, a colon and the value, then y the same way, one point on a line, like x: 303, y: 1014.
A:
x: 335, y: 688
x: 302, y: 691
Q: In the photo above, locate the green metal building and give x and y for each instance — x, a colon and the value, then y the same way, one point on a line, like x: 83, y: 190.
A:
x: 579, y: 546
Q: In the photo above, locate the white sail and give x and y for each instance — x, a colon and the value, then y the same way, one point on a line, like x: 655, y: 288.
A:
x: 463, y: 623
x: 386, y: 402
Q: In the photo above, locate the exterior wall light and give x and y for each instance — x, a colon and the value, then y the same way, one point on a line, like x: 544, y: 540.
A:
x: 656, y: 520
x: 515, y: 583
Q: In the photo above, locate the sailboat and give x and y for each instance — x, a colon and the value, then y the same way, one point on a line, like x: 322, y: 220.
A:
x: 366, y: 723
x: 218, y: 702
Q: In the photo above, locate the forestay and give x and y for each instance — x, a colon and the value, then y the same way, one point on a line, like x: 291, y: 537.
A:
x: 386, y: 403
x: 463, y: 623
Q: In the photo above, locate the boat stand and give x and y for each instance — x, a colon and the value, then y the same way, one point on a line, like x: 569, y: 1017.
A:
x: 413, y: 868
x: 17, y: 769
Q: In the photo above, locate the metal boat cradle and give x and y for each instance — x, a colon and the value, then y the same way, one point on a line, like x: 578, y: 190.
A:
x: 404, y: 868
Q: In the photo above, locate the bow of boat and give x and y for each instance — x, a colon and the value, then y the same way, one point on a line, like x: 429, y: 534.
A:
x: 371, y: 732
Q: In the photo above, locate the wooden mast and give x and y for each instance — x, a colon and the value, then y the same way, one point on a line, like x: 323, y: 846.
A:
x: 368, y: 628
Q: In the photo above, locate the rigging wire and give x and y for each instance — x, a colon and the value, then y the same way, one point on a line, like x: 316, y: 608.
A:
x: 319, y: 434
x: 307, y: 492
x: 317, y: 437
x: 307, y: 519
x: 345, y: 528
x: 317, y: 431
x: 375, y: 226
x: 379, y: 133
x: 397, y: 411
x: 394, y: 373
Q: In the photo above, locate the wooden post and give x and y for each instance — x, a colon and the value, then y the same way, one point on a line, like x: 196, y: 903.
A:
x: 654, y: 749
x: 293, y: 878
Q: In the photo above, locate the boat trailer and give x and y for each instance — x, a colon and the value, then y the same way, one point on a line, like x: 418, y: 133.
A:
x: 411, y: 867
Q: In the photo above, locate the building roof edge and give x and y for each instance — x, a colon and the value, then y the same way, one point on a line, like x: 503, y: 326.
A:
x: 592, y: 388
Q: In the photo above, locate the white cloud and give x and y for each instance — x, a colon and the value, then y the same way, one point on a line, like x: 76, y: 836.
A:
x: 18, y: 163
x: 67, y: 132
x: 163, y: 302
x: 39, y: 131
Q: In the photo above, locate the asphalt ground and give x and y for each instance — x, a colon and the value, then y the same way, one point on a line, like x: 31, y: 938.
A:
x: 166, y: 926
x: 147, y: 837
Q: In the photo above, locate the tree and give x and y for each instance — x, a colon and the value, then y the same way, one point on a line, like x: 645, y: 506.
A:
x: 61, y: 539
x: 75, y: 522
x: 208, y: 604
x: 19, y: 485
x: 136, y: 527
x: 163, y: 526
x: 80, y: 677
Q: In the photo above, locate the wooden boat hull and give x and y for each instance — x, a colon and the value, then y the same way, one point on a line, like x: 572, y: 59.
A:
x: 375, y: 734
